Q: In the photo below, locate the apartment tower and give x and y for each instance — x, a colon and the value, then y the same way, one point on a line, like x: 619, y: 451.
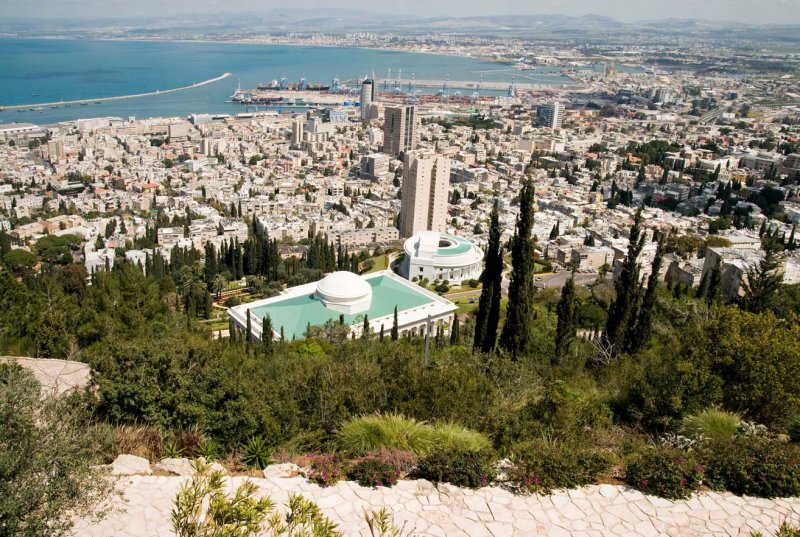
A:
x: 426, y: 179
x: 400, y: 129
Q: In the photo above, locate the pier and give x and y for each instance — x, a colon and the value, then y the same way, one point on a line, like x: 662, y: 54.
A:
x: 117, y: 98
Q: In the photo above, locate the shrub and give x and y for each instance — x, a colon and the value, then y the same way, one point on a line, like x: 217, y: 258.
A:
x: 208, y: 449
x: 202, y: 508
x: 784, y: 531
x: 140, y: 440
x: 455, y: 437
x: 396, y: 432
x: 794, y: 429
x: 755, y: 466
x: 373, y: 473
x: 401, y: 461
x: 711, y: 424
x: 664, y: 471
x: 541, y: 468
x: 189, y: 439
x: 393, y: 431
x: 462, y: 468
x: 325, y: 469
x: 257, y: 452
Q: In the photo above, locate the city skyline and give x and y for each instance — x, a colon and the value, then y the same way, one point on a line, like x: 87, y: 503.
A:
x: 745, y: 11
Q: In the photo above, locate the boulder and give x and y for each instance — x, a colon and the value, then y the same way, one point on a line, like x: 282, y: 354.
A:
x: 130, y: 465
x: 284, y: 470
x: 185, y: 467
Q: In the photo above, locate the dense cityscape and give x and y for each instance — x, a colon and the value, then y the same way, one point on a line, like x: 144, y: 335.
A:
x: 579, y: 280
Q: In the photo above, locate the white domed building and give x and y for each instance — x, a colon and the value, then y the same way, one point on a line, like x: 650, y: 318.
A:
x: 349, y: 298
x: 439, y: 256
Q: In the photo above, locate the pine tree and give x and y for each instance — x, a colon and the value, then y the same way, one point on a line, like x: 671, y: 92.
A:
x: 455, y: 331
x: 488, y: 314
x: 395, y: 327
x: 761, y: 283
x: 266, y: 333
x: 567, y: 321
x: 623, y: 310
x: 517, y: 337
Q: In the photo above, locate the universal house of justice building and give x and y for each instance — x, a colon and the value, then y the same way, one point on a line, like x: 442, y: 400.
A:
x: 439, y: 256
x: 349, y: 296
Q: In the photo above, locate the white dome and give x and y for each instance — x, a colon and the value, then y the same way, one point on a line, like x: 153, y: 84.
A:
x: 345, y: 292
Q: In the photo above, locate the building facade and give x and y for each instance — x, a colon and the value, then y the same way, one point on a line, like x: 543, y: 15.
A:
x: 426, y: 179
x: 400, y: 129
x: 437, y: 256
x: 550, y: 115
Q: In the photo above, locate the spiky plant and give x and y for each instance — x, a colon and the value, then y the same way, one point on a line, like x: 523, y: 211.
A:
x: 208, y: 449
x: 393, y: 431
x: 452, y: 436
x: 257, y: 452
x: 712, y: 424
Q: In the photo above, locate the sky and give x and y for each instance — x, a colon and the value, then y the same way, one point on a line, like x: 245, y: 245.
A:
x: 750, y: 11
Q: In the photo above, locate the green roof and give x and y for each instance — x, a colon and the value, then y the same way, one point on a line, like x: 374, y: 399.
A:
x: 294, y: 314
x: 458, y: 246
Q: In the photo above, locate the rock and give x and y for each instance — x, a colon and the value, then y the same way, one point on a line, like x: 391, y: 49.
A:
x: 284, y: 470
x: 217, y: 467
x: 130, y: 465
x: 176, y: 466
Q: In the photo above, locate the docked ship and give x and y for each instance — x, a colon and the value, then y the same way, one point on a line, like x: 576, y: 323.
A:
x: 284, y: 85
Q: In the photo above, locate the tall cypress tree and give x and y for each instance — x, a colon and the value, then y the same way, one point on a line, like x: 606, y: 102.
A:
x: 266, y: 333
x: 637, y: 337
x: 395, y: 327
x: 455, y: 331
x: 249, y: 328
x: 567, y: 321
x: 622, y: 310
x: 517, y: 337
x: 714, y: 283
x: 488, y: 315
x: 365, y: 328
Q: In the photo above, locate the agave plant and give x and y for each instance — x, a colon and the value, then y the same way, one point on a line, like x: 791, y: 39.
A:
x: 257, y: 452
x: 172, y: 450
x: 208, y: 449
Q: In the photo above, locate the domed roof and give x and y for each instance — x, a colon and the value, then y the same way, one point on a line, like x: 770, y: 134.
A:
x: 344, y: 289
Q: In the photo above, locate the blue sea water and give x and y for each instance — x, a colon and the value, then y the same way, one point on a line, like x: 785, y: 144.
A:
x: 41, y: 70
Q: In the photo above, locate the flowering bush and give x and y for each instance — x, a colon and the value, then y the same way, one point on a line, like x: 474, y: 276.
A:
x: 401, y: 461
x: 541, y: 468
x: 755, y: 466
x: 471, y: 469
x: 666, y: 472
x: 373, y: 473
x: 325, y: 470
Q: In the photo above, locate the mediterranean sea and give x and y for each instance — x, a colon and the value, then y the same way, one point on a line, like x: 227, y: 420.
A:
x: 46, y: 70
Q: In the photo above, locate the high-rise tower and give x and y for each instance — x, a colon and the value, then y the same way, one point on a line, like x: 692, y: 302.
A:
x: 400, y: 129
x: 426, y: 179
x: 368, y: 96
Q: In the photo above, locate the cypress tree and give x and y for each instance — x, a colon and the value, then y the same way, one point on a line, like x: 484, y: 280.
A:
x: 249, y: 328
x: 266, y: 333
x: 517, y: 337
x: 381, y: 336
x: 283, y: 337
x: 623, y: 310
x: 488, y: 315
x: 714, y: 283
x: 567, y: 321
x: 454, y: 331
x: 637, y: 337
x: 761, y: 284
x: 365, y: 328
x: 395, y: 327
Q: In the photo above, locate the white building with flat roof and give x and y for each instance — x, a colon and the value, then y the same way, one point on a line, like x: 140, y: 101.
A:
x: 438, y: 256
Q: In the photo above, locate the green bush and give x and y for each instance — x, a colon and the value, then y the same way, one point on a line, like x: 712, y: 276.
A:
x: 462, y: 468
x: 396, y: 432
x: 711, y: 424
x: 665, y: 471
x: 373, y: 473
x: 453, y: 436
x: 540, y: 468
x: 794, y: 429
x: 393, y: 431
x: 401, y: 461
x: 755, y: 466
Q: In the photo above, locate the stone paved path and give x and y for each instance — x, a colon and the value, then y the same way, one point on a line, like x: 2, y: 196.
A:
x: 427, y: 510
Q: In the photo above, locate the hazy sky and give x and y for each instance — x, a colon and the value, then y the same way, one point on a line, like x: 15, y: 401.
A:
x: 752, y: 11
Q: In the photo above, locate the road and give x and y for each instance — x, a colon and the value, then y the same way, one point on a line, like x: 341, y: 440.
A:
x: 557, y: 280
